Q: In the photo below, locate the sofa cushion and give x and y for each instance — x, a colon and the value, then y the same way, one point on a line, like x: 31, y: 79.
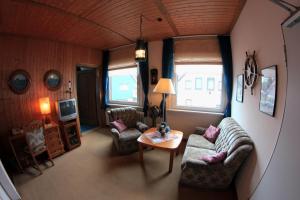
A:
x: 211, y: 133
x: 200, y: 142
x: 129, y: 134
x: 217, y: 158
x: 194, y: 153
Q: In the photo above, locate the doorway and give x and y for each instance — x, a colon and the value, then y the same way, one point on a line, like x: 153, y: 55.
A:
x: 87, y: 93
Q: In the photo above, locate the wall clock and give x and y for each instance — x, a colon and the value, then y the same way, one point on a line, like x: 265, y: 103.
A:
x: 250, y: 71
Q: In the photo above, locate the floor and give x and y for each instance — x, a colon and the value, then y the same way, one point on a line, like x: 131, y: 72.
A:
x: 95, y: 171
x: 84, y: 128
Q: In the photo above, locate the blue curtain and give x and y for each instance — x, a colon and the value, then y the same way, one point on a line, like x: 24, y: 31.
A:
x: 144, y: 72
x: 105, y: 81
x: 167, y: 64
x: 225, y: 47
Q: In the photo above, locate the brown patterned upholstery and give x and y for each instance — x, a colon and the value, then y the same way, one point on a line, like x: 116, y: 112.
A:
x: 232, y: 139
x: 126, y: 142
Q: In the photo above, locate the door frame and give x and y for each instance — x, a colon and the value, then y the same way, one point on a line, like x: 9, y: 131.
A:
x: 95, y: 68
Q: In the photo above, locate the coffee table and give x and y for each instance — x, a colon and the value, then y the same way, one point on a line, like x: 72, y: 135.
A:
x: 171, y: 146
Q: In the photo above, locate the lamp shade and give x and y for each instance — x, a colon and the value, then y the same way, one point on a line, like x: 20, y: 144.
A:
x: 164, y: 86
x: 45, y: 105
x: 140, y: 51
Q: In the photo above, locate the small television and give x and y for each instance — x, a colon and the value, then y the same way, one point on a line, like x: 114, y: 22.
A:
x: 66, y: 109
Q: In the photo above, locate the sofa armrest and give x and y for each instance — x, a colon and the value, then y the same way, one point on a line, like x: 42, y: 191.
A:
x: 200, y: 130
x: 115, y: 132
x: 142, y: 127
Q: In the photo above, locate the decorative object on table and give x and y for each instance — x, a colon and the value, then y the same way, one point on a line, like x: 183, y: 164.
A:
x: 53, y: 80
x: 154, y: 113
x: 250, y: 71
x: 164, y: 129
x: 164, y: 86
x: 240, y: 88
x: 154, y: 74
x: 45, y: 109
x: 69, y: 91
x: 19, y: 81
x: 36, y: 144
x: 268, y: 90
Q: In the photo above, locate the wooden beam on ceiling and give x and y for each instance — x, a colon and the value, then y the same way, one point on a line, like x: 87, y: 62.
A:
x: 166, y: 15
x: 64, y: 12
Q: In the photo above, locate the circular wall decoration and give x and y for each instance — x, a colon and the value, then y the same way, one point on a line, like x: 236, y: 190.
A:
x: 19, y: 81
x: 250, y: 71
x: 52, y: 80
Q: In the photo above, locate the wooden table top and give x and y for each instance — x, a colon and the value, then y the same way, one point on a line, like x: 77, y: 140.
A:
x: 172, y: 144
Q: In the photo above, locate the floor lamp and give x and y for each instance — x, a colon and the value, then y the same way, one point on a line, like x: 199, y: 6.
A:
x: 164, y: 86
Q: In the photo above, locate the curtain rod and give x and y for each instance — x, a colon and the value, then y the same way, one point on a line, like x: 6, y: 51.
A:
x: 175, y: 37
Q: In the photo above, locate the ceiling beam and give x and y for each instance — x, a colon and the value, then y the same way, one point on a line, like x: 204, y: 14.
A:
x: 63, y: 12
x: 163, y: 10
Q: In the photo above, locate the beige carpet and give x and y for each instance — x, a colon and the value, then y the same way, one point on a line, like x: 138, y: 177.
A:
x: 95, y: 171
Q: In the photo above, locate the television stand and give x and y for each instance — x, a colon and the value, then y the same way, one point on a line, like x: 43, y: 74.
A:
x: 71, y: 133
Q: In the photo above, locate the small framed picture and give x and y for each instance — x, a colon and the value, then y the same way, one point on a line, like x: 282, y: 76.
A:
x: 268, y: 90
x: 240, y: 88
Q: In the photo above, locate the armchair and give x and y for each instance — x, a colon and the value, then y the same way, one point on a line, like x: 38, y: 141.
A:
x: 126, y: 141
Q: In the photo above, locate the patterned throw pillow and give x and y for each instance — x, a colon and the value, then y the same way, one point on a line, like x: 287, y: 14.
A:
x: 36, y: 139
x: 119, y: 125
x: 219, y: 157
x: 212, y: 133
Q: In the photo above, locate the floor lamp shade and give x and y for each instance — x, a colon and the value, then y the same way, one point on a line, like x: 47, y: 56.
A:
x: 164, y: 86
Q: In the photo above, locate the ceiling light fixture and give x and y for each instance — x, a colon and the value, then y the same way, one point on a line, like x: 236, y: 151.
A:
x: 140, y: 49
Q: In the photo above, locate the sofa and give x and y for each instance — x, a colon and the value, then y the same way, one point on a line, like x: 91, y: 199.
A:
x: 126, y: 141
x: 232, y: 139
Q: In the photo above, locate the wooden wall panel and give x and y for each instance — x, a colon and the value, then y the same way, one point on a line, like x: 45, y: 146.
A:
x: 37, y: 56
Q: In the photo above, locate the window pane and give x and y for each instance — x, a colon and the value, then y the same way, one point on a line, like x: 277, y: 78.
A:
x: 123, y: 85
x: 207, y: 80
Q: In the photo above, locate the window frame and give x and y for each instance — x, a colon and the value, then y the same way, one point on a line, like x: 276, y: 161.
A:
x: 174, y: 105
x: 139, y: 92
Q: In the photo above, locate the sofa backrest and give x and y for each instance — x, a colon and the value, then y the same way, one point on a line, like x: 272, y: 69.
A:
x: 231, y: 137
x: 129, y: 116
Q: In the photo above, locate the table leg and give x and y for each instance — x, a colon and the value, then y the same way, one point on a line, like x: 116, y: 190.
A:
x: 141, y: 149
x: 171, y: 160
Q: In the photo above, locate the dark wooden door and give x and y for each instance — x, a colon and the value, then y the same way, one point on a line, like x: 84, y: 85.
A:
x: 86, y: 93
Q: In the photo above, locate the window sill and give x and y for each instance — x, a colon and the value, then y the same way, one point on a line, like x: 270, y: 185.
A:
x: 114, y: 105
x: 196, y: 111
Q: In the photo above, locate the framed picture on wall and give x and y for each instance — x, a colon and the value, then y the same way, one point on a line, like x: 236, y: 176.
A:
x: 240, y: 88
x: 268, y: 90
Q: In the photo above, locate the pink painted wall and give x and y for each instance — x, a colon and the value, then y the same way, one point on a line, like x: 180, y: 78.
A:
x: 258, y: 28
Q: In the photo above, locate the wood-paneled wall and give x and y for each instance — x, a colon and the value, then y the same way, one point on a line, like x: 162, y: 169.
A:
x: 36, y: 57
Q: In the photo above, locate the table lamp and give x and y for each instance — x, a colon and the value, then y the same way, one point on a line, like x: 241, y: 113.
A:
x: 45, y: 109
x: 164, y: 86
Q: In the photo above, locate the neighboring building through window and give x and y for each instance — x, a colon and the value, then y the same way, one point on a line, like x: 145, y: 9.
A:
x: 205, y: 95
x: 123, y: 86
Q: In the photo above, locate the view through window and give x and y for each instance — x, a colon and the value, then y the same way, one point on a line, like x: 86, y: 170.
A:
x: 123, y: 85
x: 199, y: 87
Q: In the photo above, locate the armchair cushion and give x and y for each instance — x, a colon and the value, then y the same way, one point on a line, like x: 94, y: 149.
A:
x: 129, y: 134
x: 119, y: 125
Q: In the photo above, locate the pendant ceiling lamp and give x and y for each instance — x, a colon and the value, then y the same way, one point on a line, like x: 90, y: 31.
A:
x: 140, y: 49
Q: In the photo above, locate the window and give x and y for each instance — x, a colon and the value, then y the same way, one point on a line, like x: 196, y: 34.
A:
x: 198, y: 83
x: 123, y: 86
x: 205, y: 95
x: 188, y: 84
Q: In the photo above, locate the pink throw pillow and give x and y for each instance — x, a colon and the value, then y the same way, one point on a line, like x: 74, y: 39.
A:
x: 219, y: 157
x: 119, y: 125
x: 212, y: 133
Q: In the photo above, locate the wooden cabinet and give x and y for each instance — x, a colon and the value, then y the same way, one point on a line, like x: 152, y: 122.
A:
x: 70, y: 133
x: 53, y: 140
